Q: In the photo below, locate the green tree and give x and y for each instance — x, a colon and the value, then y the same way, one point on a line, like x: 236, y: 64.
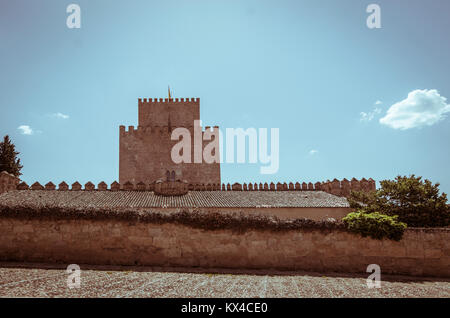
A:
x: 8, y: 157
x: 417, y: 202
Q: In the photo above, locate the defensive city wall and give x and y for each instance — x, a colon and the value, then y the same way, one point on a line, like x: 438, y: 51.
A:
x: 335, y: 187
x: 421, y: 252
x: 210, y: 240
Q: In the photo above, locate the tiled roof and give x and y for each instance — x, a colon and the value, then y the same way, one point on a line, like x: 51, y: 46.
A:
x: 147, y: 199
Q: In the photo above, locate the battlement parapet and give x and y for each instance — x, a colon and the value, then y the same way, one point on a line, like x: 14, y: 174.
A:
x: 335, y: 187
x: 160, y: 130
x: 37, y: 186
x: 76, y: 186
x: 115, y: 186
x: 89, y: 186
x: 141, y: 186
x: 167, y: 100
x: 236, y: 187
x: 23, y: 186
x: 8, y: 182
x: 50, y: 186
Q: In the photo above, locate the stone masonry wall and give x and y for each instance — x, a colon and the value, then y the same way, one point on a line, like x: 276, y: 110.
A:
x: 145, y: 156
x: 8, y: 182
x: 145, y: 152
x: 179, y: 112
x: 421, y: 252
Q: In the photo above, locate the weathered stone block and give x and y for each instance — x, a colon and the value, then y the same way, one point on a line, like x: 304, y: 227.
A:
x: 433, y: 253
x: 141, y: 240
x: 21, y: 228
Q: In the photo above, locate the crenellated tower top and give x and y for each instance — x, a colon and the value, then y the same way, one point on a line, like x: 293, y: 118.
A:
x: 174, y: 112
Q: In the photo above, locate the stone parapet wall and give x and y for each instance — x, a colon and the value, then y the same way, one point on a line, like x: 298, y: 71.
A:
x: 8, y: 182
x: 335, y: 187
x: 421, y: 252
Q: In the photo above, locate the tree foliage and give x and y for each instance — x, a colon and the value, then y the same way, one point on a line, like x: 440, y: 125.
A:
x: 417, y: 202
x: 8, y: 157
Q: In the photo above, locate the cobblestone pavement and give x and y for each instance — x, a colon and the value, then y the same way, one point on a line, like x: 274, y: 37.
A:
x: 19, y: 280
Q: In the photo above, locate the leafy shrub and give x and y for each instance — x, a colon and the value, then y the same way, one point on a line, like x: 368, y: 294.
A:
x: 375, y: 225
x: 417, y: 202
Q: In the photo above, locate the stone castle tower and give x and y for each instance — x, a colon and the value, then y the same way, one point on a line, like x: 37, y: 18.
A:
x: 145, y: 151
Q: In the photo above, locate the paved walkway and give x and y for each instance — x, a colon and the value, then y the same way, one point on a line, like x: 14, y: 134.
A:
x: 18, y: 280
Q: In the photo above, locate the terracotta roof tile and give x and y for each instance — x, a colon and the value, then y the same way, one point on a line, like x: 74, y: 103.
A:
x: 147, y: 199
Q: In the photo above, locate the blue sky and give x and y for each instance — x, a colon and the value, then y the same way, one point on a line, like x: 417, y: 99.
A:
x: 309, y: 68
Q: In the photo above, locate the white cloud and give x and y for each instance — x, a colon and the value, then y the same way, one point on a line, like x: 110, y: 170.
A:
x: 313, y: 152
x: 60, y: 115
x: 25, y: 130
x: 378, y: 102
x: 421, y: 108
x: 370, y: 115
